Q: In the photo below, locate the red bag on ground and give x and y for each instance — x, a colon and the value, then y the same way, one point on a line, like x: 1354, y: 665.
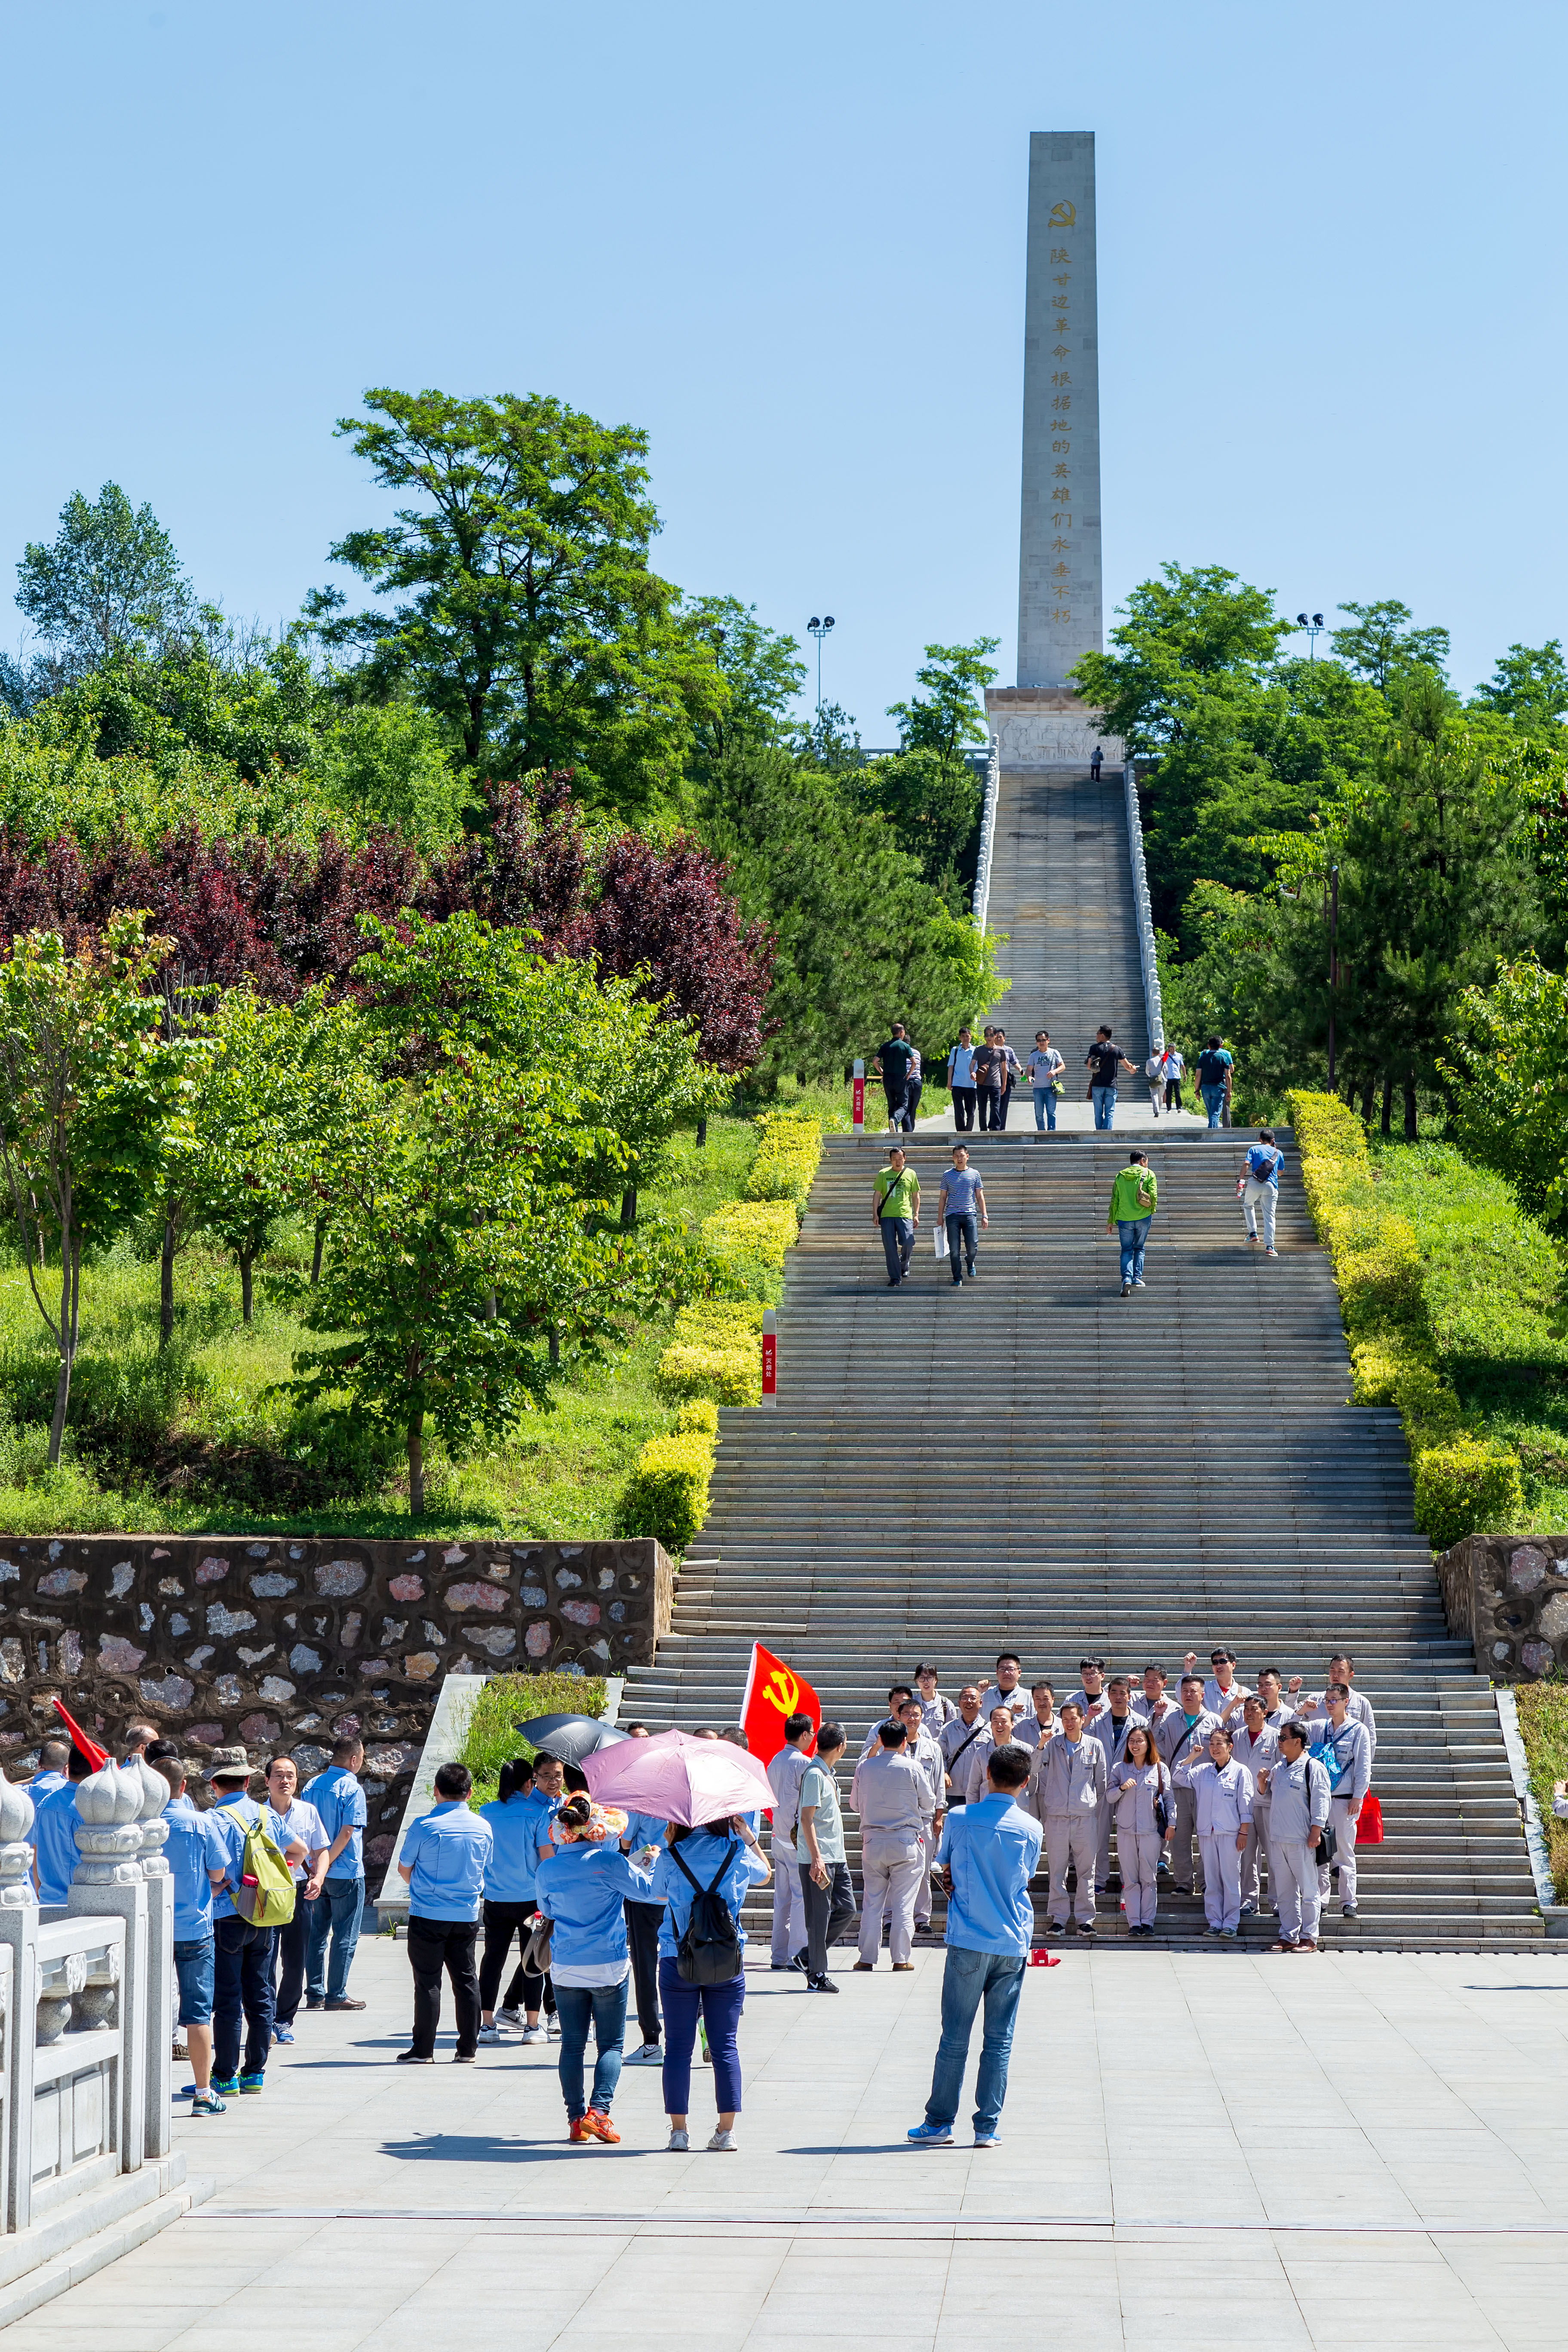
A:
x: 1369, y: 1822
x: 1040, y: 1958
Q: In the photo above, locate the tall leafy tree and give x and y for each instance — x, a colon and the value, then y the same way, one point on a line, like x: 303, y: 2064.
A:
x: 110, y: 582
x: 762, y: 669
x: 951, y: 710
x: 521, y: 606
x: 1381, y: 646
x: 1529, y: 684
x: 92, y: 1096
x: 1187, y: 637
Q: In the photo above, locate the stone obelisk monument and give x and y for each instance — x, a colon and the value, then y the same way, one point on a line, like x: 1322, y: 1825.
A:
x: 1041, y: 721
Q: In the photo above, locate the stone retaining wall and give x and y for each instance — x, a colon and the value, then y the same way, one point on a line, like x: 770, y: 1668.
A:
x: 293, y: 1642
x: 1509, y: 1595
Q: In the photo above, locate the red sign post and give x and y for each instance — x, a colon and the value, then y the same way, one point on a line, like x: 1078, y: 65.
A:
x: 770, y: 1356
x: 860, y: 1097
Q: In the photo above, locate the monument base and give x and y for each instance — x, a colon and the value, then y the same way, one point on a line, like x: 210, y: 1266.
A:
x: 1047, y: 727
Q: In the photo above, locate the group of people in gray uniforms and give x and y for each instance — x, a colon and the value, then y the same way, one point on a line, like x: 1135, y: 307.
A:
x: 1251, y: 1796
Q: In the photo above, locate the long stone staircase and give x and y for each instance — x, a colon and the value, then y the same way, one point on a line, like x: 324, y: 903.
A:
x: 1037, y: 1463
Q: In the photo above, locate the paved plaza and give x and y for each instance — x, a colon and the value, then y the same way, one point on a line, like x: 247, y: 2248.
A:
x: 1370, y: 2149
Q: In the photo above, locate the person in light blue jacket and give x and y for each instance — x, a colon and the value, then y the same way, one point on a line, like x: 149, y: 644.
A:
x: 521, y: 1816
x: 583, y: 1887
x: 723, y: 1856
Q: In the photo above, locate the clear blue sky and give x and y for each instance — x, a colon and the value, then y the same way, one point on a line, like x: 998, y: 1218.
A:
x: 790, y: 244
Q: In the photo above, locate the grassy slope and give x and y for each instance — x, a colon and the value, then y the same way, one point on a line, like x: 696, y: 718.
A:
x: 1493, y: 1286
x: 198, y: 1441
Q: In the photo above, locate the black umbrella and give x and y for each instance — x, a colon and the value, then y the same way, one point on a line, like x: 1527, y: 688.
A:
x: 569, y: 1738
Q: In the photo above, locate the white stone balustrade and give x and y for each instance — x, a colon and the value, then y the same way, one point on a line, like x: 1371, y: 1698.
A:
x: 1146, y: 955
x: 988, y: 835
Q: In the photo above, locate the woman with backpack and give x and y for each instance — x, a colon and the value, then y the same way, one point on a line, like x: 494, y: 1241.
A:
x: 583, y: 1888
x: 1145, y: 1822
x: 702, y: 1878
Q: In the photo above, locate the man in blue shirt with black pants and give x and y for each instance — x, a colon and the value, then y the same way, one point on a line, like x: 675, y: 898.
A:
x: 989, y: 1852
x: 443, y: 1865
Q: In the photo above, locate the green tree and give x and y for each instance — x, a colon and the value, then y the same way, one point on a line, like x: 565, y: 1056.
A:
x: 252, y: 1138
x: 947, y: 715
x: 521, y: 608
x: 1188, y: 637
x: 385, y: 763
x: 92, y: 1095
x: 110, y: 582
x: 1529, y: 684
x: 1382, y: 648
x: 762, y: 669
x: 1508, y: 1071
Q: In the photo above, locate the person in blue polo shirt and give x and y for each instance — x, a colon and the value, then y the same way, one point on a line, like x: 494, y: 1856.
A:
x: 443, y: 1862
x: 53, y: 1758
x: 339, y: 1799
x: 54, y: 1853
x: 989, y: 1852
x: 520, y: 1817
x: 197, y: 1856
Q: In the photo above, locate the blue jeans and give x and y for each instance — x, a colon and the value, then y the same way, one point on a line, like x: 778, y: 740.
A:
x: 969, y: 1979
x: 721, y: 2006
x: 339, y: 1907
x: 1134, y: 1233
x: 962, y: 1242
x: 1213, y: 1102
x: 606, y: 2005
x: 1104, y: 1105
x: 898, y: 1242
x: 1045, y: 1107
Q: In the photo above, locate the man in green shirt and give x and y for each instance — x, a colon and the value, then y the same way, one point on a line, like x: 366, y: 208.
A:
x: 1133, y: 1197
x: 896, y: 1206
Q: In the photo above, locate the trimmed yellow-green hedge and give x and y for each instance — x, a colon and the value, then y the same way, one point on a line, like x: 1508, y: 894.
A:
x: 1464, y: 1481
x: 760, y: 1229
x: 667, y: 1493
x: 716, y: 1352
x: 788, y: 1151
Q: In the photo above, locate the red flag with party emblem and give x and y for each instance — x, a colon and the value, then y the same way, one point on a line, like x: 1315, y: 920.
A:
x: 774, y: 1691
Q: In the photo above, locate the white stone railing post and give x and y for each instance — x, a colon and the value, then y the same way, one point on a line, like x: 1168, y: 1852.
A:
x: 19, y: 1937
x: 1146, y: 956
x: 108, y: 1879
x: 160, y: 2004
x: 987, y: 834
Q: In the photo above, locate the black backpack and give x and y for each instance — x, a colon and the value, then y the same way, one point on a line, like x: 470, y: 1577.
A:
x: 709, y: 1951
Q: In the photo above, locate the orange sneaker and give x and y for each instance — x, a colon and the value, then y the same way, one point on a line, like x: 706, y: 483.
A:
x: 601, y: 2128
x: 578, y: 2131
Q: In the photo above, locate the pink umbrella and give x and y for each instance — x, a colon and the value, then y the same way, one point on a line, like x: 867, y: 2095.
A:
x: 678, y: 1778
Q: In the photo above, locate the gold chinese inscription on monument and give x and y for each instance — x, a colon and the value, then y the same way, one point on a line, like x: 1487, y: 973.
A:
x: 1063, y: 216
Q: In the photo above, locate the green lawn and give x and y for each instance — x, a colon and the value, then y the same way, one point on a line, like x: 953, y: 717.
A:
x: 198, y: 1438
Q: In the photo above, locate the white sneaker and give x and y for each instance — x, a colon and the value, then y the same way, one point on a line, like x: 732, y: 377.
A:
x: 722, y: 2142
x: 491, y: 2033
x: 533, y: 2033
x: 552, y: 2028
x: 679, y: 2143
x: 510, y: 2017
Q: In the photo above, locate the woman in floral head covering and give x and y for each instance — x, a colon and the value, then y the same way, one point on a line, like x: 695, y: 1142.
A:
x: 582, y: 1890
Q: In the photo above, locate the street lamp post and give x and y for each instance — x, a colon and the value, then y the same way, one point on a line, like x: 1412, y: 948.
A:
x: 1312, y: 628
x: 818, y: 629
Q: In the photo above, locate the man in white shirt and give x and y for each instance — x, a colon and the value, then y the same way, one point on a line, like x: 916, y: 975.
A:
x: 785, y: 1773
x: 296, y: 1829
x: 1006, y: 1690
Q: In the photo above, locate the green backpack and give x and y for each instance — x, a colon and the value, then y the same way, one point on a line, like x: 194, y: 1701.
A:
x: 264, y: 1895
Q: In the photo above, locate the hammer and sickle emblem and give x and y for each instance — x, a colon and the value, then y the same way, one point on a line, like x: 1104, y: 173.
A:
x: 1063, y: 215
x: 783, y: 1690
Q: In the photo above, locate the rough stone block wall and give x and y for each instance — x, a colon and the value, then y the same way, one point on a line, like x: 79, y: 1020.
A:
x: 293, y: 1642
x: 1509, y: 1593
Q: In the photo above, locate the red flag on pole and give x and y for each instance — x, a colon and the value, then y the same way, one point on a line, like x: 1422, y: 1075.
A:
x: 773, y: 1692
x: 96, y: 1755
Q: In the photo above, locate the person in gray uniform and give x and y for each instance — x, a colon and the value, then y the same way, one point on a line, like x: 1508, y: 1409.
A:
x: 1258, y: 1747
x: 1342, y: 1669
x: 1343, y: 1747
x: 1277, y: 1711
x: 1183, y: 1741
x: 892, y: 1796
x: 1139, y: 1797
x: 1298, y: 1812
x: 957, y: 1741
x: 936, y: 1709
x: 897, y: 1694
x: 925, y: 1753
x: 1111, y: 1730
x: 1222, y: 1793
x: 998, y: 1733
x: 1071, y: 1792
x: 784, y: 1776
x: 1045, y: 1723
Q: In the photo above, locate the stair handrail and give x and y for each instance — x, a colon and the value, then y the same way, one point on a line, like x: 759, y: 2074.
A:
x: 987, y: 834
x: 1146, y: 955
